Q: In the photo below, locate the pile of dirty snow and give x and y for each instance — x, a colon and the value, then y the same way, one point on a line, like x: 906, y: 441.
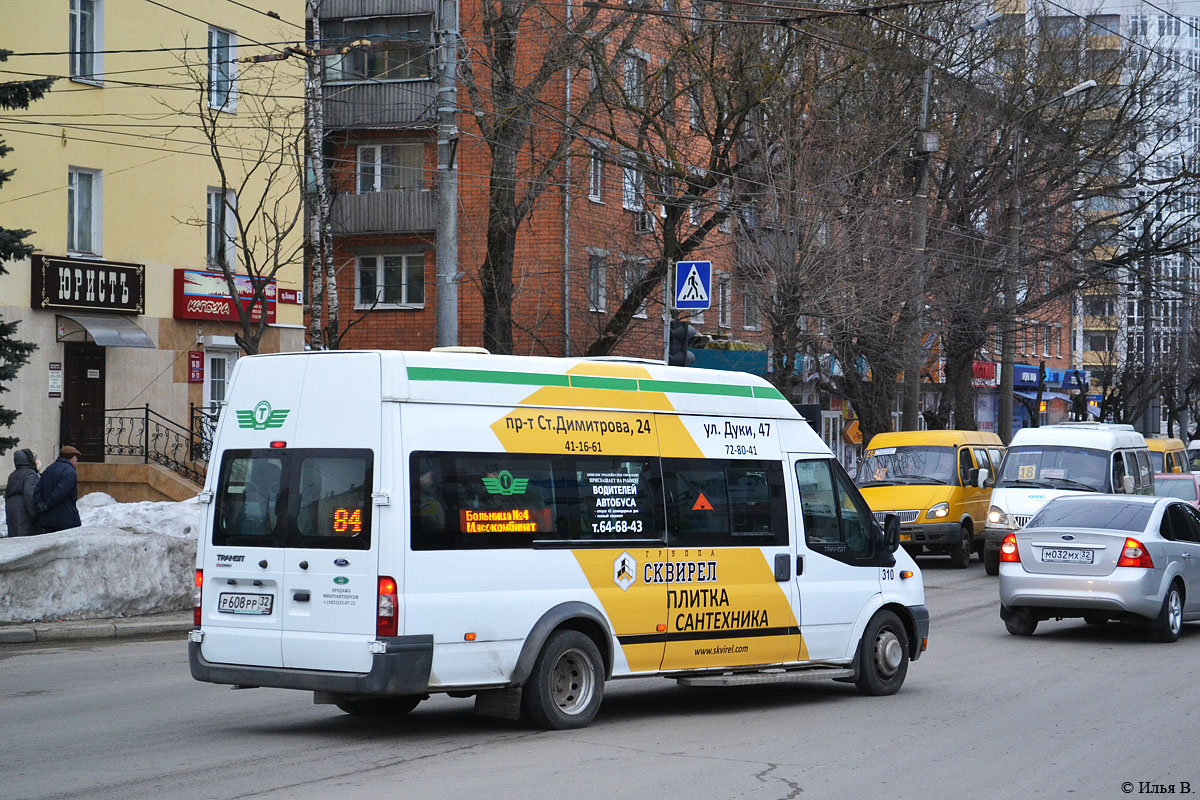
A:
x: 127, y: 559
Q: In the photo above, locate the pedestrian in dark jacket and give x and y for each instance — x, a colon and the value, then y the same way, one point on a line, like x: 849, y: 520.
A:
x: 19, y: 510
x: 58, y: 492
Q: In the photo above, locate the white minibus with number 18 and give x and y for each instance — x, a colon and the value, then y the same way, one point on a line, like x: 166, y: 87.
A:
x: 386, y: 525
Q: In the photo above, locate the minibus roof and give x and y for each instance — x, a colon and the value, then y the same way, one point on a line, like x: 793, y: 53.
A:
x: 1095, y: 435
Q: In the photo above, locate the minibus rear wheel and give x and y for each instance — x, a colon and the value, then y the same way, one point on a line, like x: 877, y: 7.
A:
x: 882, y: 655
x: 566, y: 685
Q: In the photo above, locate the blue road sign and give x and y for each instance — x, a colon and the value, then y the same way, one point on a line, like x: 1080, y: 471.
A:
x: 693, y: 285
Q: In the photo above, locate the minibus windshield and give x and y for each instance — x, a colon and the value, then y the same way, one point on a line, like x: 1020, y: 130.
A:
x: 1052, y: 467
x: 917, y: 464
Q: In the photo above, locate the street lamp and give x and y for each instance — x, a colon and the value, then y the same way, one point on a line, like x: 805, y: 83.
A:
x: 1012, y: 264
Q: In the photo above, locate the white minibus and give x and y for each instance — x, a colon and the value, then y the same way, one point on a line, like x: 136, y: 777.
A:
x: 385, y: 525
x: 1067, y: 458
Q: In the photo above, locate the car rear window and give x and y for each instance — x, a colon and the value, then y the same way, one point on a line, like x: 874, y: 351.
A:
x: 1183, y: 488
x: 1112, y: 513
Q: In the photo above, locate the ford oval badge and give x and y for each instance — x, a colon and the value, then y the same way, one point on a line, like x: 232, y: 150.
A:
x: 341, y: 562
x: 1067, y: 537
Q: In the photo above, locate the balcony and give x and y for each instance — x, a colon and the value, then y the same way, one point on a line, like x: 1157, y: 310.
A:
x: 385, y: 212
x: 384, y: 104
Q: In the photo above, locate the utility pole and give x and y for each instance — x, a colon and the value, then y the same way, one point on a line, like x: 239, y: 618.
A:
x: 1012, y: 262
x: 447, y: 177
x: 926, y: 145
x: 1185, y: 325
x: 1149, y: 423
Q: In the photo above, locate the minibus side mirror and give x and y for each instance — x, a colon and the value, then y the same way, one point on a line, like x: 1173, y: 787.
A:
x: 981, y: 479
x: 1127, y: 484
x: 891, y: 532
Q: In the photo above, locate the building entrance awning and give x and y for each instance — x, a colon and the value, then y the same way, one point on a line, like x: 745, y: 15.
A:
x: 1045, y: 395
x: 110, y: 330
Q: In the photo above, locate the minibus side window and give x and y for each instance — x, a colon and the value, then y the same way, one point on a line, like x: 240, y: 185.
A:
x: 483, y: 500
x: 716, y: 502
x: 1144, y: 468
x: 1118, y: 472
x: 837, y: 523
x: 964, y: 467
x: 608, y: 499
x: 250, y: 499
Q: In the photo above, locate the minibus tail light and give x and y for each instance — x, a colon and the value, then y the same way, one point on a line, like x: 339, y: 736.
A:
x: 1135, y: 554
x: 197, y: 597
x: 387, y: 620
x: 1008, y: 549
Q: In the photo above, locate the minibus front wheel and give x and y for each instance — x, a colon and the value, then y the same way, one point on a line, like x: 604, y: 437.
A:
x: 882, y: 655
x: 566, y: 685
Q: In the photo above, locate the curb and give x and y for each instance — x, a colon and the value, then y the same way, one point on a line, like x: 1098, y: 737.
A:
x: 82, y: 630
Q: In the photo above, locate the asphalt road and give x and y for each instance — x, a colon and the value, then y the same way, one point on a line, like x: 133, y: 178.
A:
x: 1075, y: 711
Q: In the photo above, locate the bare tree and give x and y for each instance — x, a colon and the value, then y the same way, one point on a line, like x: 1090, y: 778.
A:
x: 258, y: 157
x: 513, y: 78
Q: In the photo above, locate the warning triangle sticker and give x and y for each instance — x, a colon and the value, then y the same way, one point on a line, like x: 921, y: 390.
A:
x: 693, y: 288
x: 702, y: 504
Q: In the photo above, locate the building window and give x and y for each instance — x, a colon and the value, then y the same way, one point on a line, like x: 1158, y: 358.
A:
x: 632, y: 270
x: 400, y: 52
x: 597, y: 262
x: 390, y: 168
x: 222, y: 71
x: 668, y: 94
x: 724, y: 194
x: 749, y: 309
x: 391, y: 281
x: 220, y: 240
x: 596, y: 175
x: 724, y: 303
x: 84, y: 43
x: 634, y: 80
x: 633, y: 183
x: 695, y: 109
x: 83, y: 211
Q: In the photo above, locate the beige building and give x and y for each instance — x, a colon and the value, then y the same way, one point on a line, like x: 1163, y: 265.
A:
x: 116, y: 178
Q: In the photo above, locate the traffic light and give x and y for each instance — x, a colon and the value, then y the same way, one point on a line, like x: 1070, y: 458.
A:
x: 681, y: 335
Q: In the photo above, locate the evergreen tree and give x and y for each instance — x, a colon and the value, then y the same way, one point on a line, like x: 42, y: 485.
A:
x: 13, y: 352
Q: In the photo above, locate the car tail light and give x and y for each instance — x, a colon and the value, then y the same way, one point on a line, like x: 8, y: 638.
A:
x: 1008, y: 549
x: 387, y: 621
x: 1135, y: 554
x: 197, y: 597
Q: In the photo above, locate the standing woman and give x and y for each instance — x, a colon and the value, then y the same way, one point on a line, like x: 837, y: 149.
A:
x: 19, y: 509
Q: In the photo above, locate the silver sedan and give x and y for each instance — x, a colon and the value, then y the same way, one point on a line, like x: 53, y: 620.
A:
x: 1104, y: 557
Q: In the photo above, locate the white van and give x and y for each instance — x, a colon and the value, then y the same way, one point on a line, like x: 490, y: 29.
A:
x: 1053, y: 460
x: 386, y: 525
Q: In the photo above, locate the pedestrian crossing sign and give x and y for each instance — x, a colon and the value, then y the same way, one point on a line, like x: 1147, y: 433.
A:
x: 693, y: 285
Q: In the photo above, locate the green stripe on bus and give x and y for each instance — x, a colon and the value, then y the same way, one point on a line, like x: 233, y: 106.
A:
x: 591, y: 382
x: 598, y: 382
x: 768, y: 393
x: 485, y: 376
x: 682, y: 387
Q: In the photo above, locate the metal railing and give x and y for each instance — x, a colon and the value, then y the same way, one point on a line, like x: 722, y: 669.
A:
x: 204, y: 427
x: 141, y: 432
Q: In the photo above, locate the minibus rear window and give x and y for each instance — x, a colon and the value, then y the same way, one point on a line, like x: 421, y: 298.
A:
x: 306, y: 497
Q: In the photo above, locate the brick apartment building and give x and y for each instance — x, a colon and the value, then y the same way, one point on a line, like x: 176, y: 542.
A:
x: 588, y: 238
